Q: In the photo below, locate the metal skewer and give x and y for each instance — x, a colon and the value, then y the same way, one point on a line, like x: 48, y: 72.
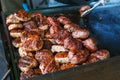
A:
x: 94, y: 6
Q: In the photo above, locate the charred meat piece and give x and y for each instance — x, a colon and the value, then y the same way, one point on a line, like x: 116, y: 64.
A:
x: 91, y: 59
x: 81, y: 33
x: 58, y: 48
x: 33, y: 43
x: 23, y: 53
x: 44, y: 56
x: 90, y: 44
x: 53, y: 22
x: 15, y: 26
x: 37, y: 71
x: 67, y: 66
x: 70, y: 27
x: 40, y: 32
x: 54, y: 30
x: 62, y: 57
x: 27, y: 34
x: 51, y: 66
x: 26, y: 63
x: 78, y: 57
x: 39, y: 18
x: 28, y: 74
x: 22, y: 15
x: 16, y: 33
x: 11, y: 19
x: 17, y: 42
x: 63, y: 20
x: 61, y: 36
x: 72, y: 44
x: 30, y: 25
x: 101, y: 54
x: 33, y: 32
x: 97, y: 56
x: 84, y: 8
x: 46, y: 60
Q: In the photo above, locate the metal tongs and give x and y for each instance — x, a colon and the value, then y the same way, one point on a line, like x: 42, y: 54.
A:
x: 103, y: 2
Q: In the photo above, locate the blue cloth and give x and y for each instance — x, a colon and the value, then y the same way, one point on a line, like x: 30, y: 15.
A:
x: 104, y: 23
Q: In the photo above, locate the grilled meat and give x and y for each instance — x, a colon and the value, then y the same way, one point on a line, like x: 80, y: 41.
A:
x: 31, y: 40
x: 16, y: 33
x: 39, y: 18
x: 49, y: 66
x: 17, y: 42
x: 91, y: 59
x: 58, y: 48
x: 62, y: 57
x: 48, y: 44
x: 53, y: 22
x: 28, y: 74
x: 78, y: 57
x: 11, y: 19
x: 70, y: 27
x: 101, y: 54
x: 61, y: 36
x: 81, y: 33
x: 97, y: 56
x: 33, y: 43
x: 22, y: 52
x: 90, y: 44
x: 72, y: 44
x: 67, y: 66
x: 64, y: 20
x: 30, y: 25
x: 44, y: 56
x: 26, y: 63
x: 15, y: 26
x: 22, y: 15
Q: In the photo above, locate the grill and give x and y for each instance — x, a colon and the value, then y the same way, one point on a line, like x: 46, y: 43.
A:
x: 104, y: 27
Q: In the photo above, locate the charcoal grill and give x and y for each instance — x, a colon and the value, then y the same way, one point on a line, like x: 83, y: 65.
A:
x: 103, y: 25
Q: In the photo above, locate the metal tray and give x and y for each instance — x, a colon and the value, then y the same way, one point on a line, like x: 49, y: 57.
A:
x: 70, y: 74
